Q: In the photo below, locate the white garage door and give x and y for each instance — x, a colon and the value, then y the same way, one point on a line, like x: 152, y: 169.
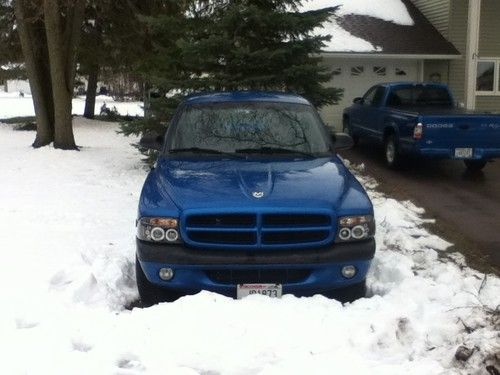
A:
x: 356, y: 76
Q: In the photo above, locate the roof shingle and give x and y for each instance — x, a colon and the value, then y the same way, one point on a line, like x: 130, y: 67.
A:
x: 422, y: 38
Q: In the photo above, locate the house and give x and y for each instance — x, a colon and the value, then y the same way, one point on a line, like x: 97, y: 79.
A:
x: 9, y: 79
x: 450, y: 41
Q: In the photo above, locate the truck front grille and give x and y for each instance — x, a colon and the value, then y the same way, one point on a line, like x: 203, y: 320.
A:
x: 257, y: 230
x: 271, y: 276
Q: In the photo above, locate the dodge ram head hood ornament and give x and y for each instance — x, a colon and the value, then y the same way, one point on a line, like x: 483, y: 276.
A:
x: 258, y: 194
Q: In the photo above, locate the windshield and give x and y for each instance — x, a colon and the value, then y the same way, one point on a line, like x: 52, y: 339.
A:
x: 254, y: 127
x: 420, y: 95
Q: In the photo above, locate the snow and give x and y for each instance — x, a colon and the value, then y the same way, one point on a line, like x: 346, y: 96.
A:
x: 388, y: 10
x: 67, y: 244
x: 342, y: 41
x: 13, y: 105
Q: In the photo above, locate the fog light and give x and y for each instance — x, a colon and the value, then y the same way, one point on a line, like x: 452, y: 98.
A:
x: 166, y: 274
x: 345, y: 234
x: 157, y: 234
x: 171, y: 235
x: 348, y: 272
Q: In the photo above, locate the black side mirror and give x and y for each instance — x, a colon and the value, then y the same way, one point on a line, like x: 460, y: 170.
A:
x: 152, y: 141
x: 342, y: 141
x: 358, y: 101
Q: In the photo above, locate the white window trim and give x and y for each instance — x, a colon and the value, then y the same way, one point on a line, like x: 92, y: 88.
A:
x: 496, y: 77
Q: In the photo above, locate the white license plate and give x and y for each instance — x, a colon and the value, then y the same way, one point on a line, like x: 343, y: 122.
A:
x: 270, y: 290
x: 464, y: 153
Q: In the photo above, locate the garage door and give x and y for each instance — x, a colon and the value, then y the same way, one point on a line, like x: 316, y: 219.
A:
x: 357, y: 76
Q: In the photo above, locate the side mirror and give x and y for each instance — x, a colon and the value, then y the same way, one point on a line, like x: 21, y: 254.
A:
x: 358, y: 101
x: 342, y: 141
x: 152, y: 141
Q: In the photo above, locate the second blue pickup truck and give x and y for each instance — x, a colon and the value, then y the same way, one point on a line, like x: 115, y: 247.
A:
x: 422, y: 119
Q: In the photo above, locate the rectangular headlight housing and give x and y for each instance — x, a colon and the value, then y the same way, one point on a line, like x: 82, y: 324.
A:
x: 355, y: 228
x: 159, y: 230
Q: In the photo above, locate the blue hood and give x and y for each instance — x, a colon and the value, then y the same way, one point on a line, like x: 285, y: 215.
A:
x: 235, y: 183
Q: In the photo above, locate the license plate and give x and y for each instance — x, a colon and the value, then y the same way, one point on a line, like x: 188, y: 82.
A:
x: 463, y: 153
x: 270, y: 290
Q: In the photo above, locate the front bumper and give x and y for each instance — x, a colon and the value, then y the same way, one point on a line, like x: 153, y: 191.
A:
x: 193, y: 267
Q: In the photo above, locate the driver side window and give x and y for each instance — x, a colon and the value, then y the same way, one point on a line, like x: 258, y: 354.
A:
x: 374, y: 96
x: 369, y: 96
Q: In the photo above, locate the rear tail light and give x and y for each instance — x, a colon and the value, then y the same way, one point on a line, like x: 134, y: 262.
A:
x: 418, y: 132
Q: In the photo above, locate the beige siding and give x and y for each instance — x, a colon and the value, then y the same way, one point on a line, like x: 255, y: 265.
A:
x: 437, y: 12
x: 457, y: 34
x: 489, y: 40
x: 436, y: 68
x: 488, y: 103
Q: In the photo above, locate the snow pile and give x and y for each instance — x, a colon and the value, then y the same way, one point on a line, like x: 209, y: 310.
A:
x: 67, y: 244
x: 13, y: 105
x: 342, y: 41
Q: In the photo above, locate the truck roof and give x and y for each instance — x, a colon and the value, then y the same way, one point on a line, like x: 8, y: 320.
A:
x: 245, y: 96
x: 412, y: 83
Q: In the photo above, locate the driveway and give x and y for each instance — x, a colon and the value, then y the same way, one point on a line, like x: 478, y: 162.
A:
x: 466, y: 207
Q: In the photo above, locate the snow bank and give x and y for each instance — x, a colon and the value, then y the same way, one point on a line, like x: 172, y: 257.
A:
x: 12, y: 105
x: 67, y: 244
x: 342, y: 41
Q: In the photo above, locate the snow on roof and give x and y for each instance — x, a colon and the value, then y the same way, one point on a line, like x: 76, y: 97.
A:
x: 342, y: 41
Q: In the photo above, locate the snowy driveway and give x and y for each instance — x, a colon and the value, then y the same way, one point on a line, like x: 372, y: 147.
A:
x: 67, y: 243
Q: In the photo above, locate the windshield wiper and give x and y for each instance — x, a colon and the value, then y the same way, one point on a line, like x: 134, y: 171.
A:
x: 200, y: 150
x: 273, y: 150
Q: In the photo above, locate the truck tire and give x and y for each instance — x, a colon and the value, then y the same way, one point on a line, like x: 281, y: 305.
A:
x: 348, y: 130
x: 475, y: 165
x: 149, y: 293
x: 391, y: 151
x: 350, y: 293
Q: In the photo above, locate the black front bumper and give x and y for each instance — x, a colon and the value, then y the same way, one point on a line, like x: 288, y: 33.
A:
x: 182, y: 255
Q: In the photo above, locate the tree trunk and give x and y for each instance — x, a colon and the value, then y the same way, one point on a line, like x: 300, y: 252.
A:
x: 61, y: 45
x: 32, y: 37
x: 147, y: 100
x: 91, y: 92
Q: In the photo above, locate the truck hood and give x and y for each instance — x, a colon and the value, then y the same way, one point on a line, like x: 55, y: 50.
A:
x: 235, y: 183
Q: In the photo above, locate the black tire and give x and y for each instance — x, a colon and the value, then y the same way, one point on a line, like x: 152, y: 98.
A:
x: 392, y: 154
x: 475, y: 165
x: 350, y: 293
x: 348, y: 130
x: 149, y: 293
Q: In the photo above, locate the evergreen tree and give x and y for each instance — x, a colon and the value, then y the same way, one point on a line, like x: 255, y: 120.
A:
x: 236, y: 45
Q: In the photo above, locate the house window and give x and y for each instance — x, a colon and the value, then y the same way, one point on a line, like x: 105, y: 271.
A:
x: 488, y: 77
x: 380, y: 70
x: 357, y: 70
x: 337, y: 71
x: 400, y: 72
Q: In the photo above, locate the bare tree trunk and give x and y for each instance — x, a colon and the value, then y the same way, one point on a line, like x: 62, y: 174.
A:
x: 91, y: 92
x: 147, y: 100
x: 32, y: 37
x: 62, y: 38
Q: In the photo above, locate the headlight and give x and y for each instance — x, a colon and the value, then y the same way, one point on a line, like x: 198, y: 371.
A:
x: 355, y: 228
x: 159, y: 229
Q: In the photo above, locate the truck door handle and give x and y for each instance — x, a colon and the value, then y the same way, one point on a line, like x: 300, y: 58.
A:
x: 464, y: 127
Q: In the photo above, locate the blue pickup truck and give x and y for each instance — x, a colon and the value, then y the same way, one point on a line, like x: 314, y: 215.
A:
x: 423, y: 120
x: 249, y: 196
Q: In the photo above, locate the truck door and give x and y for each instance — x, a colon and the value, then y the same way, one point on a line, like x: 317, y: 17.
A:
x: 369, y: 115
